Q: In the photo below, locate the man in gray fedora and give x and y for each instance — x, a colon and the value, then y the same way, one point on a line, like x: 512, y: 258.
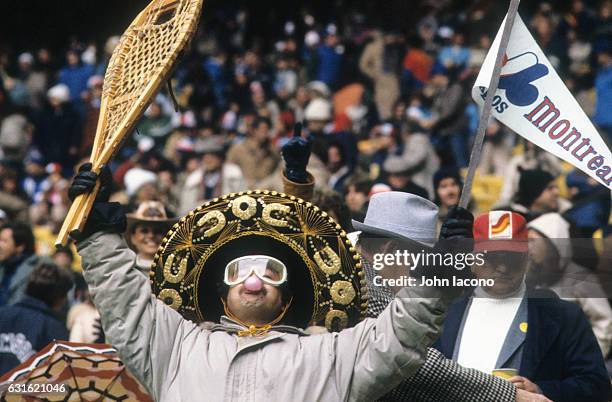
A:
x: 398, y: 221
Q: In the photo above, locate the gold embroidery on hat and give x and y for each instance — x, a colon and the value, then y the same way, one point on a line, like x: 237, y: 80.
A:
x: 342, y: 292
x: 266, y: 214
x: 214, y: 219
x: 251, y: 207
x: 175, y: 278
x: 306, y: 231
x: 171, y: 298
x: 336, y: 320
x: 331, y: 264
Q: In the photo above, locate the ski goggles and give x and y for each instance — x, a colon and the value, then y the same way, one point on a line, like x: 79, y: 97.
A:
x: 268, y: 269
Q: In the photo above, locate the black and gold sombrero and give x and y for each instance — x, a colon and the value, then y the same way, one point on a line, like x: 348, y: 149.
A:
x: 324, y: 270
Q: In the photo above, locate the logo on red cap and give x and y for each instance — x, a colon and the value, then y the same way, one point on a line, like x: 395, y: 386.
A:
x: 500, y: 231
x: 500, y: 225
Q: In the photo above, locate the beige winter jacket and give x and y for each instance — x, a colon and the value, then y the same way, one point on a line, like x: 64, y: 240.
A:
x: 179, y: 361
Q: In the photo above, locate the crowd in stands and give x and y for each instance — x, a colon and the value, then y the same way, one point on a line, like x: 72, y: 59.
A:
x: 384, y: 110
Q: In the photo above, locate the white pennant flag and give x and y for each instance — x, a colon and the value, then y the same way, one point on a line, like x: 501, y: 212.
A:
x: 532, y: 100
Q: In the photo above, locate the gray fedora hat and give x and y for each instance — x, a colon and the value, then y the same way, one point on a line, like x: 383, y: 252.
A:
x: 402, y: 216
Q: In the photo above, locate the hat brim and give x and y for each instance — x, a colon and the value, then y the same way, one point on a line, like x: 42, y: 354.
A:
x: 133, y: 220
x: 164, y: 224
x: 324, y: 270
x: 365, y: 228
x: 519, y: 246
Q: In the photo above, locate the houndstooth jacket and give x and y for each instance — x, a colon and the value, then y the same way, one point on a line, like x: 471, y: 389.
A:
x: 439, y: 379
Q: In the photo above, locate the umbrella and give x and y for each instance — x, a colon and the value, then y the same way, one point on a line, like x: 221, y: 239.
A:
x: 73, y: 372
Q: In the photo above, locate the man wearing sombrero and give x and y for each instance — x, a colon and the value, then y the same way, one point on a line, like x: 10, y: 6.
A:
x: 263, y: 265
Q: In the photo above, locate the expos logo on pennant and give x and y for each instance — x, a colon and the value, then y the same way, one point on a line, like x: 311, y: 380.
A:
x: 532, y: 100
x: 517, y: 77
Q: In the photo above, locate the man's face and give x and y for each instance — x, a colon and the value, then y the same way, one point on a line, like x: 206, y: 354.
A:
x: 548, y: 201
x: 604, y: 58
x: 7, y: 245
x: 35, y: 169
x: 439, y: 81
x: 212, y: 162
x: 398, y: 180
x: 72, y: 58
x: 334, y: 159
x: 261, y: 132
x: 448, y: 191
x: 506, y: 268
x: 146, y: 239
x: 62, y: 260
x: 332, y: 40
x: 255, y: 307
x: 316, y: 125
x: 154, y: 110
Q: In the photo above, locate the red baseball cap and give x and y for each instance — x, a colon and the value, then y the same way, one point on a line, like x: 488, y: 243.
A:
x: 500, y: 231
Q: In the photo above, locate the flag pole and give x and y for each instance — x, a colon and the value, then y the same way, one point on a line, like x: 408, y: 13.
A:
x: 486, y: 110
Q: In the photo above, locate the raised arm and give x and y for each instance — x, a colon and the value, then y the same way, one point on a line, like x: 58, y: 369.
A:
x: 378, y: 354
x: 143, y: 329
x: 384, y: 351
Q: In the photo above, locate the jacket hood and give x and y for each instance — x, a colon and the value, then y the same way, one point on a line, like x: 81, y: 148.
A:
x: 554, y: 227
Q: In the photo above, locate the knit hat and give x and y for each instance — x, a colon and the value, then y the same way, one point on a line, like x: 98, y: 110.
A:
x: 447, y: 173
x: 137, y: 177
x: 531, y: 185
x: 318, y: 110
x: 59, y: 92
x: 500, y: 231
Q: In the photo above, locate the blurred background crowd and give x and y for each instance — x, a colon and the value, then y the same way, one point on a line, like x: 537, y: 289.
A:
x: 386, y: 100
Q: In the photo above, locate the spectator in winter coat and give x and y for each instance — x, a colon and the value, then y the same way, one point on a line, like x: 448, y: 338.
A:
x: 329, y: 57
x: 29, y: 325
x: 603, y: 88
x: 255, y: 156
x: 384, y: 77
x: 17, y: 261
x: 60, y: 122
x: 213, y: 178
x: 591, y: 203
x: 75, y: 75
x: 449, y: 121
x: 537, y: 194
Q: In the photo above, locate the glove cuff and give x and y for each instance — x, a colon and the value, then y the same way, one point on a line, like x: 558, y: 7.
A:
x: 296, y: 174
x: 302, y: 190
x: 104, y: 216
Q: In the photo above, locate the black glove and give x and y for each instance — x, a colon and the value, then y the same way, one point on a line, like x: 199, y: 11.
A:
x: 459, y: 224
x: 296, y: 154
x: 85, y: 181
x: 456, y: 237
x: 104, y: 215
